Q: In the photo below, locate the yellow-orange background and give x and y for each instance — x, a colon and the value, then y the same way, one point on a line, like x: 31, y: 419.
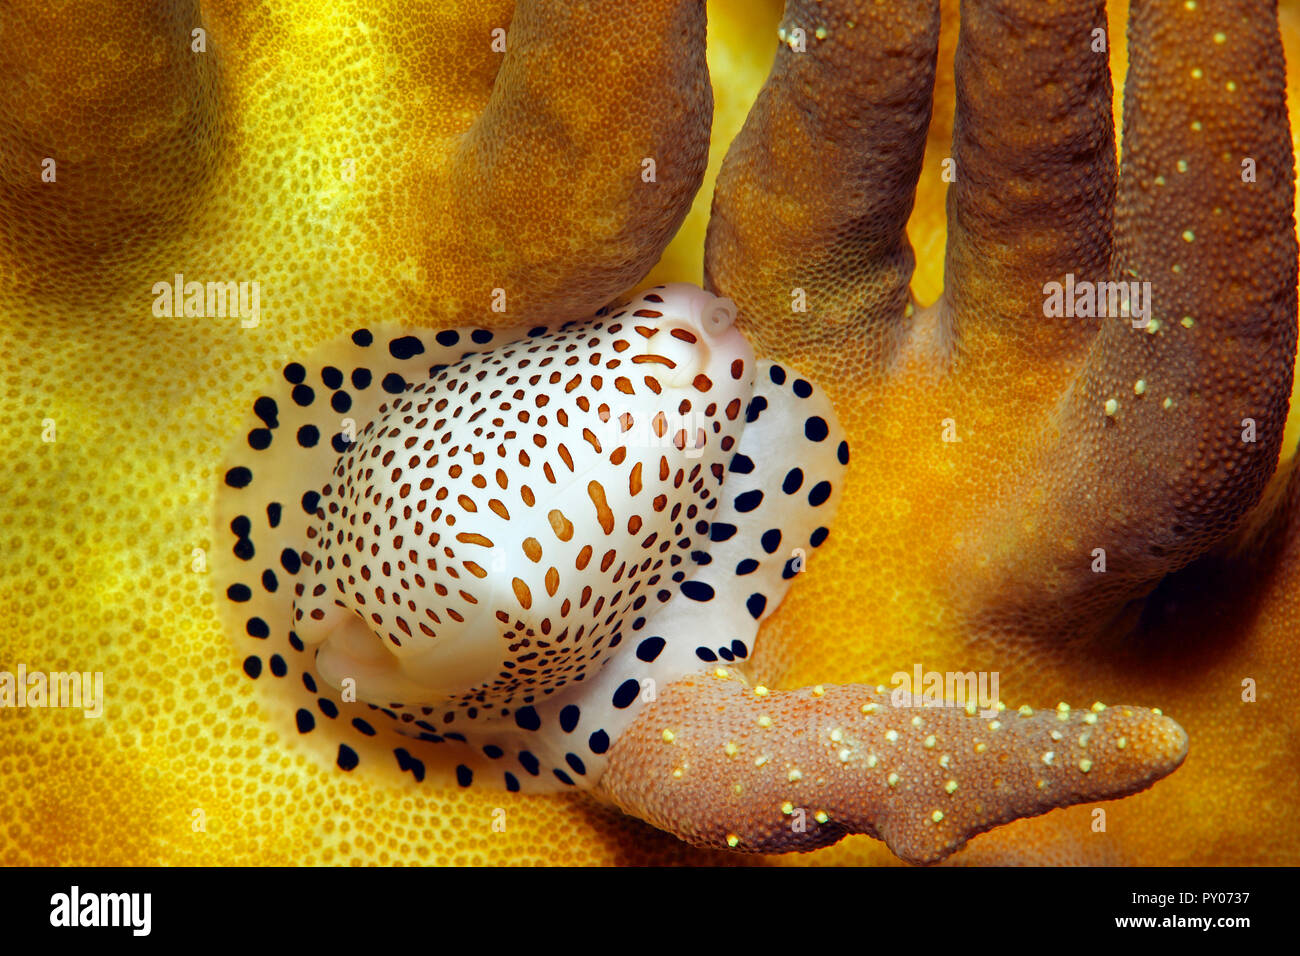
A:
x: 98, y: 528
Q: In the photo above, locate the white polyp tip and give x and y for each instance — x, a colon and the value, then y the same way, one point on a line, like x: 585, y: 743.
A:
x: 719, y: 315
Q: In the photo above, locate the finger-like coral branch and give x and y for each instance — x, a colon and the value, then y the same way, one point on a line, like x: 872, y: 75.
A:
x: 1174, y: 425
x: 808, y: 234
x: 724, y: 765
x: 584, y: 161
x: 108, y: 128
x: 1034, y: 184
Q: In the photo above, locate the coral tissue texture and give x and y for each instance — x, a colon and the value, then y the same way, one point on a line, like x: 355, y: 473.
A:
x: 370, y: 162
x: 1049, y: 495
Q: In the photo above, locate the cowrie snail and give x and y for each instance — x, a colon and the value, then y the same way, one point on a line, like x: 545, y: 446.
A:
x: 520, y: 536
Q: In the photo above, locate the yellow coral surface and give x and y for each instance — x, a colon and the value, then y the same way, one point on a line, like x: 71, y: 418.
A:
x: 103, y: 530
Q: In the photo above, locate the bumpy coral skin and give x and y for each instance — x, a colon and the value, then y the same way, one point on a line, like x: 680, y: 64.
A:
x: 97, y: 570
x: 548, y: 195
x: 1148, y: 456
x: 997, y: 573
x: 328, y: 121
x: 131, y: 119
x: 858, y: 102
x: 724, y: 765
